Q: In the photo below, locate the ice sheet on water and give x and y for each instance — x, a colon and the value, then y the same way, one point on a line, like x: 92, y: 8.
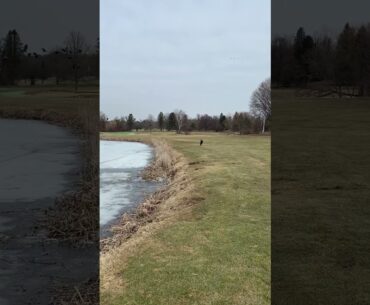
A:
x: 35, y: 159
x: 115, y: 154
x: 120, y: 184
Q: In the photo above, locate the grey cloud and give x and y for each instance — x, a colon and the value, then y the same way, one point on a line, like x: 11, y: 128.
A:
x: 201, y: 56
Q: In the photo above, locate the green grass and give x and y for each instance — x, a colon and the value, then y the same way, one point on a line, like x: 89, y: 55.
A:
x: 320, y: 200
x: 220, y: 254
x: 122, y: 133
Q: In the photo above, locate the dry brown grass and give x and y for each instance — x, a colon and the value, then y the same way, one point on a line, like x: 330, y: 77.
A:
x: 164, y: 161
x: 75, y: 215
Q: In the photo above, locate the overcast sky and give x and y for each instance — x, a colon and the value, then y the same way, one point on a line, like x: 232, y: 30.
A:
x: 328, y: 17
x: 201, y: 56
x: 46, y: 23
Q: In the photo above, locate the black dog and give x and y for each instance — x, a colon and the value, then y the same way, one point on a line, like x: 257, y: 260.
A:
x: 201, y: 142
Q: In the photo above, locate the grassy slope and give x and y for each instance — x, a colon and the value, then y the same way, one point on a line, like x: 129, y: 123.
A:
x: 220, y: 254
x: 320, y: 211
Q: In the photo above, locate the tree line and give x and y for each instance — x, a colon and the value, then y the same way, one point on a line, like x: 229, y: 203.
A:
x: 73, y: 61
x: 340, y: 65
x: 255, y: 121
x: 242, y: 122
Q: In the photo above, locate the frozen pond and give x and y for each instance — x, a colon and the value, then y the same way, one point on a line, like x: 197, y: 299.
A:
x: 121, y: 187
x: 39, y: 161
x: 35, y: 158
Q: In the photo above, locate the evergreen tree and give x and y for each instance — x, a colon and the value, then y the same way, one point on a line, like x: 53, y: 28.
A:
x: 11, y: 56
x: 235, y: 122
x: 362, y: 60
x: 345, y: 58
x: 130, y: 122
x: 303, y: 46
x: 171, y: 122
x: 160, y: 121
x: 222, y: 121
x: 299, y: 44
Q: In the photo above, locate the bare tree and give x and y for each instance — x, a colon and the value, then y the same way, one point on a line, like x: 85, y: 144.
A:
x: 180, y: 119
x: 103, y: 121
x: 75, y: 46
x: 260, y: 103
